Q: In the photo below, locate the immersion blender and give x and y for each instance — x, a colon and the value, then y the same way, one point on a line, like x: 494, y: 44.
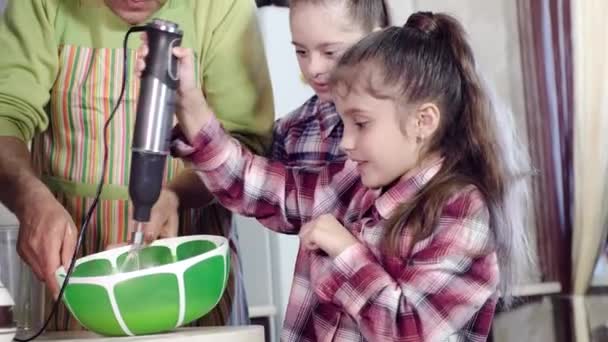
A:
x: 154, y: 120
x: 150, y: 147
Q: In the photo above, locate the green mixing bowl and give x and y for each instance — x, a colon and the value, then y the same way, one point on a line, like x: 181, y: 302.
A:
x: 177, y: 281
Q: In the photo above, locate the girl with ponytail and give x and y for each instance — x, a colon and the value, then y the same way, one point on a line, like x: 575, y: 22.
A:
x: 427, y: 68
x: 419, y: 232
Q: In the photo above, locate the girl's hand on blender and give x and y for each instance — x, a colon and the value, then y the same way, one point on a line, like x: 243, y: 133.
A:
x: 192, y: 109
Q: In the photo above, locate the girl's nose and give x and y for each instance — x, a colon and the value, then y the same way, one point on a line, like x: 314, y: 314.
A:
x: 317, y: 67
x: 347, y: 143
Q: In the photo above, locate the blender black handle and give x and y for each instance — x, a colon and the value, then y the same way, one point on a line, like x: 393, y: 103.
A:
x: 160, y: 61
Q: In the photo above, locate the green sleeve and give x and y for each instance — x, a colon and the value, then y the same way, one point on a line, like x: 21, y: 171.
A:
x: 28, y: 66
x: 235, y: 75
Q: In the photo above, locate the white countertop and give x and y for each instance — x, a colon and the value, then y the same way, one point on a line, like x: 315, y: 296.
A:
x: 251, y: 333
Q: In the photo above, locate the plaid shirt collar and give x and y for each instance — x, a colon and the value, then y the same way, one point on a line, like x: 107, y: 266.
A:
x: 404, y: 189
x: 328, y: 114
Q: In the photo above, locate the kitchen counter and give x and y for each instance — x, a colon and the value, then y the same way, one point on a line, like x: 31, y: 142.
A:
x: 251, y: 333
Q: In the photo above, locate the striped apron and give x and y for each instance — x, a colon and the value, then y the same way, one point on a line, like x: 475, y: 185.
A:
x: 69, y: 157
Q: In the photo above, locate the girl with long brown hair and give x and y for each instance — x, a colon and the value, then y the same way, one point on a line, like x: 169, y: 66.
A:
x: 433, y: 230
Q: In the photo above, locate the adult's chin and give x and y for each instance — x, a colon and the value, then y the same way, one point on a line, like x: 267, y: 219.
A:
x: 134, y: 11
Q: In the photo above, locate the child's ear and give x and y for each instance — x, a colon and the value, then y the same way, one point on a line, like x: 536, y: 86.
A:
x: 427, y: 119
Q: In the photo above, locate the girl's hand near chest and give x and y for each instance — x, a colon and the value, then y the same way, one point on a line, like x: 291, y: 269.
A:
x: 327, y: 234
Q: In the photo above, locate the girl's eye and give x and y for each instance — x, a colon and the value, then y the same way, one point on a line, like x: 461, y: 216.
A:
x: 300, y: 52
x: 361, y: 124
x: 330, y: 53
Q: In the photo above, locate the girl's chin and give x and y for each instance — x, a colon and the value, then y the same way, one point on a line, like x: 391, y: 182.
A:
x: 370, y: 182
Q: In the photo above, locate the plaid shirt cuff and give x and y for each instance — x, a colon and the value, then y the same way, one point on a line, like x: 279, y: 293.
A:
x: 356, y: 277
x: 208, y: 149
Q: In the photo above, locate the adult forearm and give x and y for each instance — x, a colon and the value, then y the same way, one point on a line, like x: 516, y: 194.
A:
x: 17, y: 177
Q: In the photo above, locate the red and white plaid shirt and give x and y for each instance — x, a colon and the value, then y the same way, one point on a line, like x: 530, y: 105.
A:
x: 309, y: 136
x: 443, y: 289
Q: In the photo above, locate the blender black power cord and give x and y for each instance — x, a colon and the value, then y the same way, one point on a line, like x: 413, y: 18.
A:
x: 89, y: 215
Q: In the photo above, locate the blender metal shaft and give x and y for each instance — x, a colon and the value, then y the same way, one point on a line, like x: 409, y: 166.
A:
x: 138, y: 236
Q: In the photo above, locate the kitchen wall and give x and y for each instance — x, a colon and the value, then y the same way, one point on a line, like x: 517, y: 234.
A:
x: 492, y: 29
x: 6, y: 217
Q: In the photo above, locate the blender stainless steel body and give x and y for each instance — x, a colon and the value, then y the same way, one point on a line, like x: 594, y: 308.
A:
x: 155, y: 110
